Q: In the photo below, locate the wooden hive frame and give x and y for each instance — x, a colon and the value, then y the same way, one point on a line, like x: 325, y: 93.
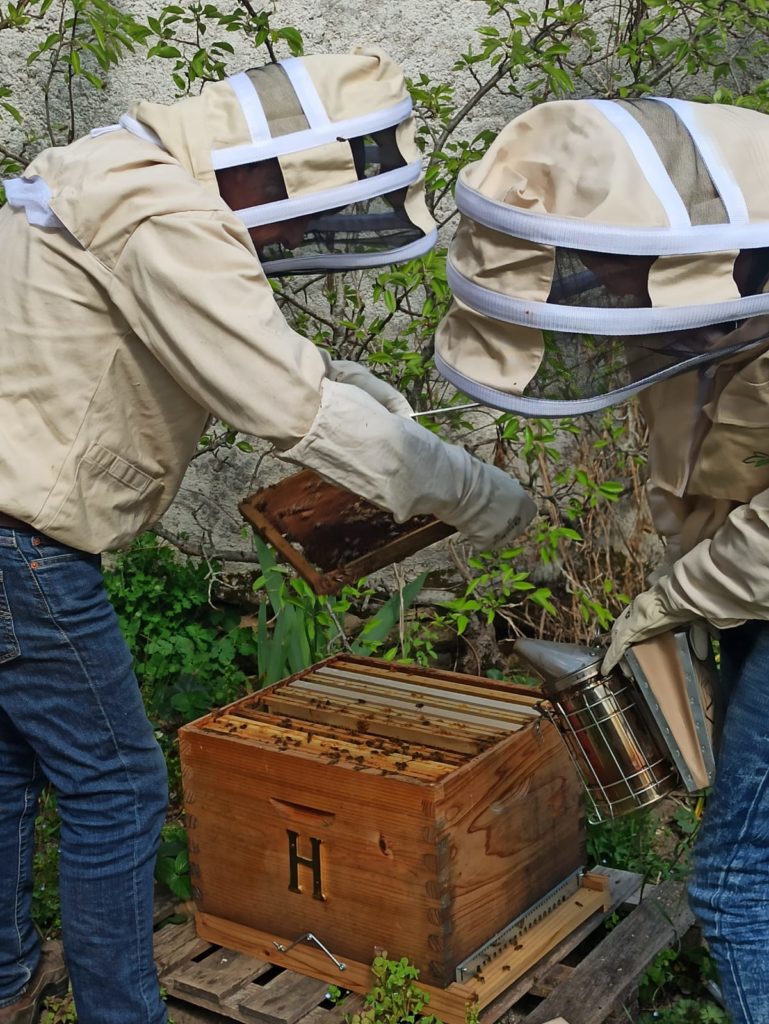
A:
x: 331, y: 536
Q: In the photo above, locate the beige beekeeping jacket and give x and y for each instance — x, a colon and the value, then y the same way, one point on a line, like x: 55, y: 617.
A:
x: 708, y: 487
x: 120, y: 334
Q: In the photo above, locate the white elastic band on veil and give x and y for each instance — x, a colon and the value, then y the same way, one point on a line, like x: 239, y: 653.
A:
x: 551, y: 316
x: 648, y: 160
x: 573, y: 233
x: 336, y: 262
x: 251, y: 106
x: 306, y: 93
x: 233, y: 156
x: 553, y: 408
x: 330, y: 198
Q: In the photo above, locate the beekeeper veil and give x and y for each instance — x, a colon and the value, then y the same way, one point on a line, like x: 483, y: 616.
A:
x: 604, y: 246
x: 340, y: 132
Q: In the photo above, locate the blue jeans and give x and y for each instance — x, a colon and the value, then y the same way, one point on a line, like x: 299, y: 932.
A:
x: 71, y: 714
x: 729, y: 891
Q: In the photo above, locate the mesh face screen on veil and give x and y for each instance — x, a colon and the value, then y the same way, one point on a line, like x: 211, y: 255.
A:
x: 363, y: 232
x: 352, y: 186
x: 604, y: 246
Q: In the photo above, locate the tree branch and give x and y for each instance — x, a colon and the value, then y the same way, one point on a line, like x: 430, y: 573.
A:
x: 197, y: 550
x: 287, y: 297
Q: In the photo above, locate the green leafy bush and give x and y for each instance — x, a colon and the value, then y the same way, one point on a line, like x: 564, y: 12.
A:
x: 395, y: 997
x: 190, y: 654
x: 173, y: 863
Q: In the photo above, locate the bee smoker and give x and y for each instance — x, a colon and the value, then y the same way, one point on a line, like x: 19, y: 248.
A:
x: 640, y: 732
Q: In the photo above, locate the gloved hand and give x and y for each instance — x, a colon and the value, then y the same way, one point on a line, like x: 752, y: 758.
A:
x: 652, y: 612
x: 345, y: 371
x: 402, y: 467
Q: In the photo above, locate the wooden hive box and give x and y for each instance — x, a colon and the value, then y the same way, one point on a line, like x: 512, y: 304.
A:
x: 379, y: 807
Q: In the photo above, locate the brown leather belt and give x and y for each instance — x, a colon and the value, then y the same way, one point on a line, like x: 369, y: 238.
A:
x: 12, y: 523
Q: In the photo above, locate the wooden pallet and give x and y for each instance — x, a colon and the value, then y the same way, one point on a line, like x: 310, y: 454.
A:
x: 207, y: 984
x: 228, y: 986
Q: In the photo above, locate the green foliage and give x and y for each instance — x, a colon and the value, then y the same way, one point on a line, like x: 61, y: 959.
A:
x: 182, y: 34
x: 395, y: 997
x: 190, y: 655
x: 296, y: 628
x: 686, y: 1011
x: 58, y: 1010
x: 46, y: 909
x: 377, y: 631
x: 644, y: 842
x: 173, y: 863
x: 498, y: 589
x: 80, y: 43
x: 671, y: 988
x: 680, y: 970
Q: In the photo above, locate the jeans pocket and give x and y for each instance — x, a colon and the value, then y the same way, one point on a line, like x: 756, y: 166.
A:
x: 9, y: 645
x: 48, y: 550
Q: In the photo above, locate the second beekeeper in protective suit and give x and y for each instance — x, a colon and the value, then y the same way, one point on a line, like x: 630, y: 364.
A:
x: 134, y: 303
x: 614, y: 248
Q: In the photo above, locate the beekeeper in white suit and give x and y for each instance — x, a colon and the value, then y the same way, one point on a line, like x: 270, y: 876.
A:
x: 613, y: 248
x: 133, y: 305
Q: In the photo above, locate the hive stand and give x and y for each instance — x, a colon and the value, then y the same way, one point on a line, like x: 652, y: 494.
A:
x: 209, y: 984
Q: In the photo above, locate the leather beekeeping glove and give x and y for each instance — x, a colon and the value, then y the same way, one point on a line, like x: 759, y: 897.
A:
x: 649, y: 614
x: 402, y: 467
x: 345, y: 371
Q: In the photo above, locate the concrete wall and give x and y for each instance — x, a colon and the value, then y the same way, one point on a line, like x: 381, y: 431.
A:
x: 423, y: 37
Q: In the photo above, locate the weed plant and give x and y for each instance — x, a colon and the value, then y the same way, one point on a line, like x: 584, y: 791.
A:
x: 395, y: 997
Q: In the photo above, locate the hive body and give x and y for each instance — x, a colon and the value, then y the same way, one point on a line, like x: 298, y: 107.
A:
x: 380, y: 807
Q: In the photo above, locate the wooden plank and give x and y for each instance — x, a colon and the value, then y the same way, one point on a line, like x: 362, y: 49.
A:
x: 218, y: 975
x: 443, y: 710
x: 449, y: 1004
x: 164, y: 906
x: 352, y: 1003
x: 621, y: 885
x: 533, y: 945
x: 182, y: 1012
x: 358, y: 736
x: 550, y: 980
x: 257, y: 710
x: 471, y: 695
x: 394, y: 726
x: 439, y: 678
x: 421, y: 698
x: 175, y: 943
x: 283, y: 1000
x: 610, y: 973
x: 311, y: 747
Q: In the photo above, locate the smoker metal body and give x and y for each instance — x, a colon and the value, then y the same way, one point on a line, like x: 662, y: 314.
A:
x: 638, y: 733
